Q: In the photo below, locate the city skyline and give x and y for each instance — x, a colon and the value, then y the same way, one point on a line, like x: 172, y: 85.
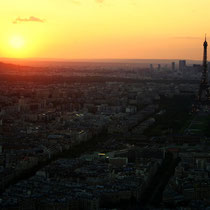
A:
x: 93, y: 29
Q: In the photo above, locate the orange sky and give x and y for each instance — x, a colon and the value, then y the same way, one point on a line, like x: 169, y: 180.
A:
x: 91, y: 29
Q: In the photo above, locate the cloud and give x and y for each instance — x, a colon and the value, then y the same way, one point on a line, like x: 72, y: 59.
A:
x: 30, y: 19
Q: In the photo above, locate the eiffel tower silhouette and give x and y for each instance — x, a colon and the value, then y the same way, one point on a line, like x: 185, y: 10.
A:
x: 204, y: 94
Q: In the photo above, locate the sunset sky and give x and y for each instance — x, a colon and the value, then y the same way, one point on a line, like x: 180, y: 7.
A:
x: 91, y: 29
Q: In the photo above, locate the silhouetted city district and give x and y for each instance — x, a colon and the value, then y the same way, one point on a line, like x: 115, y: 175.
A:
x: 99, y: 136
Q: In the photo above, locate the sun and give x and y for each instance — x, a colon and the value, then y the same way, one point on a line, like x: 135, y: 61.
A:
x: 17, y: 42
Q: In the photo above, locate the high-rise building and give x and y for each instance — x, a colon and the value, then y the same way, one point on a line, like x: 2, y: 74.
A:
x: 182, y: 65
x: 173, y: 66
x: 151, y: 67
x: 159, y: 67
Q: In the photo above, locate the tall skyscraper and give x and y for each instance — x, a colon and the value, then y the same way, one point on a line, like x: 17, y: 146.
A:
x: 204, y: 95
x: 182, y: 65
x: 151, y: 67
x: 173, y: 66
x: 159, y: 67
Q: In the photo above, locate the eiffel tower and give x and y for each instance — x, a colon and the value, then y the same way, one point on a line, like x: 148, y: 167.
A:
x: 204, y: 94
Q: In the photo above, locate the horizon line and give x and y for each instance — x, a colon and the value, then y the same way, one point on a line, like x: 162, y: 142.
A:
x: 94, y: 59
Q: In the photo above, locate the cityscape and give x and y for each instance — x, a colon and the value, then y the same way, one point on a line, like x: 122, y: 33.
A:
x: 104, y: 105
x: 140, y: 141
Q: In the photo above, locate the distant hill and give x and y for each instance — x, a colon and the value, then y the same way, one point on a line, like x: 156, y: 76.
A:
x: 7, y: 68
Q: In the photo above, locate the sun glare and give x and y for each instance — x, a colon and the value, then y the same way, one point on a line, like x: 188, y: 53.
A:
x: 17, y: 42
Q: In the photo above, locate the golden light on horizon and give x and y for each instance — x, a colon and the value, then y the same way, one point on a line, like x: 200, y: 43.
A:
x: 97, y: 29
